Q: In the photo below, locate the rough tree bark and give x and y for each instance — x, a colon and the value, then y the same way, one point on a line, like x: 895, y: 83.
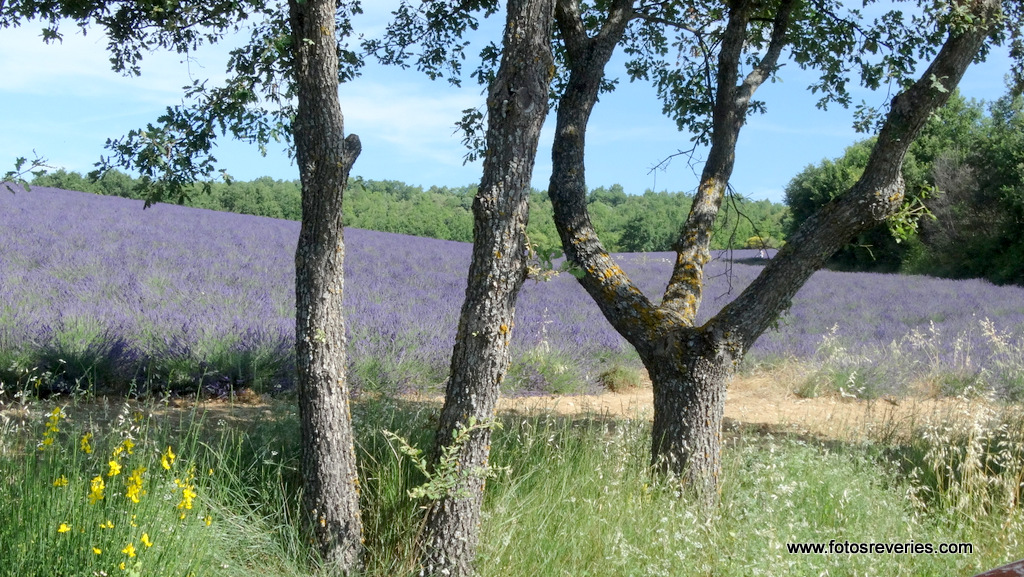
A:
x: 325, y: 157
x: 690, y: 365
x: 517, y: 104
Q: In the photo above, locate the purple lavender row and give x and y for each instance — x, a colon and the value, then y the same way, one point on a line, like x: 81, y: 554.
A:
x: 174, y: 286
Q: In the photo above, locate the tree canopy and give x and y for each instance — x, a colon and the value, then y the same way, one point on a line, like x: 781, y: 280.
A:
x: 965, y: 170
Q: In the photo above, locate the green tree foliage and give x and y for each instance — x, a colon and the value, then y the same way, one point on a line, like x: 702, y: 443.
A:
x: 966, y: 169
x: 631, y: 223
x: 979, y: 211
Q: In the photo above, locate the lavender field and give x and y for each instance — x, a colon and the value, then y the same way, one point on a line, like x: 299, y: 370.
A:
x: 96, y: 291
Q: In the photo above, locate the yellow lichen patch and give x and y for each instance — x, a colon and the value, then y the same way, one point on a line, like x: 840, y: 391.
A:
x: 503, y: 329
x: 610, y: 272
x: 689, y: 267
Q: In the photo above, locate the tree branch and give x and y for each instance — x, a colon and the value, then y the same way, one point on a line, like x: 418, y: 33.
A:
x: 877, y: 195
x: 685, y: 288
x: 621, y: 301
x: 769, y: 62
x: 570, y: 25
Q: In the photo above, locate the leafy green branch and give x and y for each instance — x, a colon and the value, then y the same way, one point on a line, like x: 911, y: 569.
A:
x: 446, y: 478
x: 541, y: 265
x: 23, y: 167
x: 904, y: 224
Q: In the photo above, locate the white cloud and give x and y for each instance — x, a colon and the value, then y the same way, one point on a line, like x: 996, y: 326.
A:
x: 415, y: 119
x: 79, y: 66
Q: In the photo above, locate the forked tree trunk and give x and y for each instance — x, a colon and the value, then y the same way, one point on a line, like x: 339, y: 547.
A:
x: 330, y: 497
x: 690, y: 365
x: 517, y: 105
x: 693, y: 419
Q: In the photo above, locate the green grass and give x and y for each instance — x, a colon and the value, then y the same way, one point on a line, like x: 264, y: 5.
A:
x: 571, y: 497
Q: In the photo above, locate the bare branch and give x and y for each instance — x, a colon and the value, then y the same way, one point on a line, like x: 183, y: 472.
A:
x: 769, y: 62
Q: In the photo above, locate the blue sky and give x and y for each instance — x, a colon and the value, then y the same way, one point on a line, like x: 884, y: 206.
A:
x: 63, y: 102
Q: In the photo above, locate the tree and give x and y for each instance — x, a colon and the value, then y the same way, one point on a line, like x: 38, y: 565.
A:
x: 517, y: 103
x: 946, y: 137
x: 613, y: 196
x: 325, y: 157
x: 964, y: 168
x: 979, y: 208
x: 305, y: 52
x: 690, y: 365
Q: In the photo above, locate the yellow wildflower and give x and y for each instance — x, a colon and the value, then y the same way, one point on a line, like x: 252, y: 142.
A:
x: 168, y: 458
x: 97, y: 550
x: 122, y: 566
x: 61, y: 481
x: 208, y: 519
x: 129, y: 550
x: 125, y: 447
x: 55, y: 416
x: 187, y: 495
x: 115, y: 468
x: 86, y: 443
x: 64, y: 528
x: 146, y: 541
x: 107, y: 525
x: 187, y: 492
x: 52, y: 427
x: 134, y: 485
x: 96, y: 487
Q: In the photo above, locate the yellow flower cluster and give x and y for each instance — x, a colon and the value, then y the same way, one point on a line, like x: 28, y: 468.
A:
x: 188, y: 492
x: 133, y: 487
x: 167, y: 459
x: 52, y: 427
x: 86, y: 444
x: 105, y: 469
x: 96, y: 487
x: 126, y: 446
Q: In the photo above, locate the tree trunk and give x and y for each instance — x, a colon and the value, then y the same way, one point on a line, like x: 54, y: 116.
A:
x: 692, y: 407
x: 517, y: 105
x: 690, y: 366
x: 325, y: 157
x: 689, y: 379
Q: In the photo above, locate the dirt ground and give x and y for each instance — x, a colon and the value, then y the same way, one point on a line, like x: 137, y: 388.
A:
x: 768, y: 402
x: 765, y: 402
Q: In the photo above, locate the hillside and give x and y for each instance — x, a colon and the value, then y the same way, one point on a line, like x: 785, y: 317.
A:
x: 171, y: 297
x: 639, y: 222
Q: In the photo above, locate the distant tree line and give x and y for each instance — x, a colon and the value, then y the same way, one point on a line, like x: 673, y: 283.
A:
x: 631, y: 223
x: 967, y: 170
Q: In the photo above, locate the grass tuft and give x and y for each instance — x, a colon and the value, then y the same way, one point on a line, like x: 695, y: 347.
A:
x: 621, y: 378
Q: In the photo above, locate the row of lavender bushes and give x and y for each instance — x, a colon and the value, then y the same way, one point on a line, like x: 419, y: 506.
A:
x: 98, y: 294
